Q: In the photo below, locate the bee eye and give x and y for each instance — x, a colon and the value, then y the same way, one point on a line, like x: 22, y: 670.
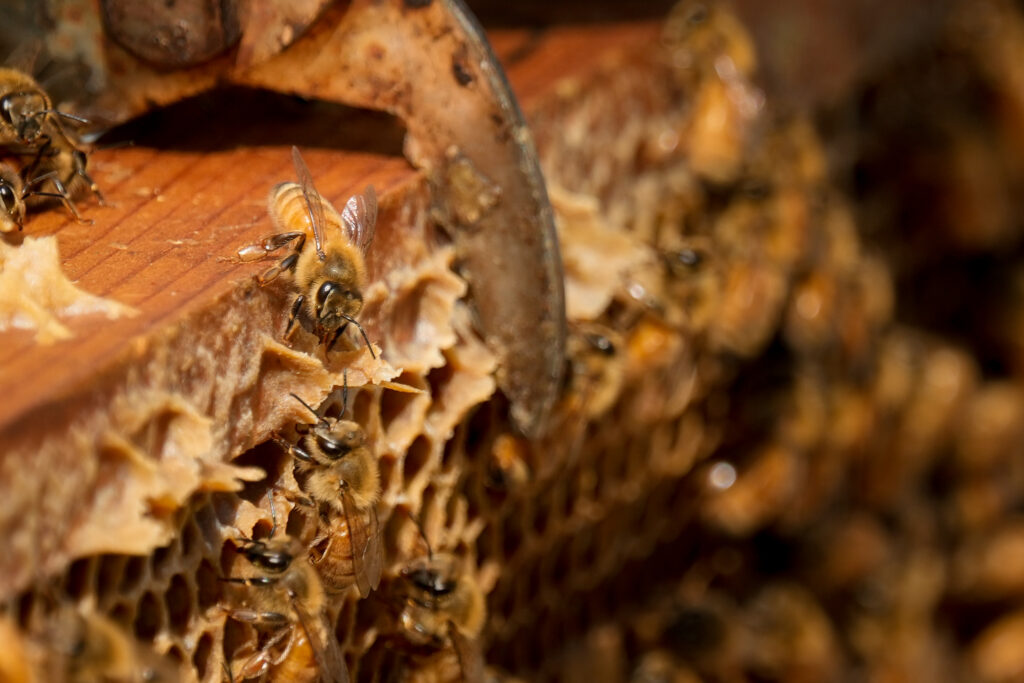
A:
x: 331, y: 447
x: 6, y: 105
x: 276, y: 561
x: 688, y: 257
x: 326, y: 289
x: 7, y: 196
x: 601, y: 343
x: 431, y: 582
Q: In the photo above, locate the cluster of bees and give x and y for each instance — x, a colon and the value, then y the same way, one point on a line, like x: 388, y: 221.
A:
x: 283, y: 584
x: 852, y: 489
x: 843, y: 488
x: 41, y: 159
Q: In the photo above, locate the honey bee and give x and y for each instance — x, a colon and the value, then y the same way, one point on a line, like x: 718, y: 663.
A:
x: 62, y: 164
x: 331, y: 277
x: 30, y: 126
x: 285, y: 594
x: 337, y: 470
x: 26, y: 113
x: 596, y: 369
x: 14, y: 195
x: 508, y: 467
x: 442, y: 604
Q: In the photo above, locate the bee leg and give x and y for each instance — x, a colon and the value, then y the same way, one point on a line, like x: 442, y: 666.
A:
x: 362, y: 332
x: 259, y: 663
x: 65, y: 197
x: 270, y: 244
x: 248, y: 581
x: 93, y: 187
x: 294, y: 450
x: 255, y: 666
x: 296, y: 307
x: 335, y: 337
x: 294, y: 497
x: 281, y: 441
x: 250, y: 616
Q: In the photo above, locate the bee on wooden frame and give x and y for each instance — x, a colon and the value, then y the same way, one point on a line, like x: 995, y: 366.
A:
x: 330, y: 278
x: 14, y: 194
x: 337, y: 469
x: 283, y: 592
x: 63, y: 165
x: 31, y: 127
x: 27, y: 116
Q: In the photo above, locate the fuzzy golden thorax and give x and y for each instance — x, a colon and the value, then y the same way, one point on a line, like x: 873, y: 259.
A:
x: 341, y: 463
x: 333, y: 288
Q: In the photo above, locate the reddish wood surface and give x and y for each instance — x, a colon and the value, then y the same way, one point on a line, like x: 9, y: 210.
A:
x: 193, y: 189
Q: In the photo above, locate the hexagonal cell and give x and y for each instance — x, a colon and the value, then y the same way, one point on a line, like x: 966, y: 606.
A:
x: 149, y: 616
x: 179, y: 600
x: 202, y: 658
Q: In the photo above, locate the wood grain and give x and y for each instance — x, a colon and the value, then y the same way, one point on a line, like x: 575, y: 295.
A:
x: 192, y: 189
x: 201, y: 353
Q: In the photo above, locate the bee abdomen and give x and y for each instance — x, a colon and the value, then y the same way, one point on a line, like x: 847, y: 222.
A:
x: 288, y: 208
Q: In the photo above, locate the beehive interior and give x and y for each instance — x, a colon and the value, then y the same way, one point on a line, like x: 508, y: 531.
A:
x: 758, y: 470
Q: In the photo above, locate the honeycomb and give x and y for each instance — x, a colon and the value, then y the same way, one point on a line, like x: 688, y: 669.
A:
x: 759, y: 469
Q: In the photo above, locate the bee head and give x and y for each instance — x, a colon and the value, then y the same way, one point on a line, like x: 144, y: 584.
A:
x: 340, y: 439
x: 25, y: 112
x: 430, y: 582
x: 274, y: 560
x: 336, y: 303
x: 432, y: 578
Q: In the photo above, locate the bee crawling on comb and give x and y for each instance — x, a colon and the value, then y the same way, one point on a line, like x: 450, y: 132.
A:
x: 329, y: 279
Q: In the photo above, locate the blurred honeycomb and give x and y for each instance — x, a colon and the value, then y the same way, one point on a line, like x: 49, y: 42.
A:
x: 760, y: 468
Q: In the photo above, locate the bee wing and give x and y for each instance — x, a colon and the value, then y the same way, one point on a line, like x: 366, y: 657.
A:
x: 313, y: 201
x: 364, y: 537
x: 360, y: 217
x: 471, y: 659
x: 329, y: 659
x: 25, y: 56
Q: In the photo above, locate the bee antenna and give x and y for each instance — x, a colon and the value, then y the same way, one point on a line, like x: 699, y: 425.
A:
x: 247, y: 542
x: 65, y: 115
x: 273, y: 513
x: 319, y: 418
x: 344, y: 393
x: 40, y: 179
x: 366, y: 339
